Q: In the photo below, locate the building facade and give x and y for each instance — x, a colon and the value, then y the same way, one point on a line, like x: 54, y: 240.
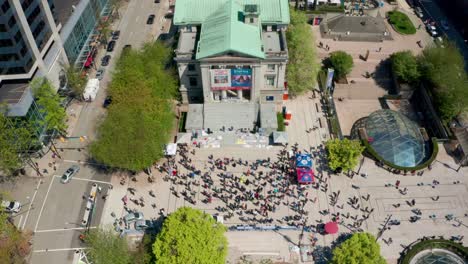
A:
x: 30, y: 46
x: 231, y: 58
x: 79, y: 31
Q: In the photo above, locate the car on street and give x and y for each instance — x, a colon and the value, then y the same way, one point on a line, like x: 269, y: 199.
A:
x: 11, y: 206
x: 444, y: 24
x: 143, y: 225
x: 157, y: 1
x: 418, y: 11
x: 432, y: 30
x: 133, y: 217
x: 100, y: 73
x: 115, y: 35
x: 105, y: 60
x: 111, y: 45
x: 107, y: 101
x: 150, y: 19
x: 68, y: 174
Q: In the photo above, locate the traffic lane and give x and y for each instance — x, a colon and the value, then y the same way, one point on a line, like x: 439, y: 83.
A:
x: 52, y: 257
x: 64, y: 207
x: 88, y: 170
x: 138, y: 31
x: 55, y: 240
x: 22, y: 190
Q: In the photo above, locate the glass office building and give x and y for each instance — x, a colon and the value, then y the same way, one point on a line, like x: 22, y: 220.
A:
x: 80, y: 28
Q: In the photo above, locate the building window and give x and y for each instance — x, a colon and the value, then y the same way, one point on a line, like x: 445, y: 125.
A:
x: 5, y: 6
x: 23, y: 50
x: 270, y: 98
x: 270, y: 80
x: 12, y: 21
x: 252, y: 20
x: 271, y: 67
x: 18, y: 36
x: 3, y: 28
x: 6, y: 43
x: 193, y: 81
x: 191, y: 67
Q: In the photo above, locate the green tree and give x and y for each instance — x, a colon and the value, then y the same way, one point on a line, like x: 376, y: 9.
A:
x: 360, y: 248
x: 443, y: 68
x: 49, y: 104
x: 76, y: 81
x: 16, y: 138
x: 141, y: 120
x: 405, y: 66
x: 191, y: 236
x: 14, y: 243
x: 302, y: 67
x: 104, y: 246
x: 343, y: 154
x: 342, y: 62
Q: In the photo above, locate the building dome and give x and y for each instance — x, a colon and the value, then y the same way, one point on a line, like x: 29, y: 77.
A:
x: 395, y: 138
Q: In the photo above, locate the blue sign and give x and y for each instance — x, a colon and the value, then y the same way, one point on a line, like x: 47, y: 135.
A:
x: 241, y: 77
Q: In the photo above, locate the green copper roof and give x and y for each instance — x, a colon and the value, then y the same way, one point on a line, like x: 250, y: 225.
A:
x: 196, y: 11
x: 224, y: 31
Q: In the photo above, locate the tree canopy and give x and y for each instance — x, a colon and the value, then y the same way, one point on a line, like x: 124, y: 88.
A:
x: 16, y: 137
x: 360, y: 248
x: 75, y: 81
x: 14, y: 244
x: 343, y: 154
x: 342, y: 62
x: 49, y: 105
x: 191, y: 236
x: 303, y: 67
x: 405, y: 66
x: 443, y: 67
x: 140, y: 117
x: 104, y: 246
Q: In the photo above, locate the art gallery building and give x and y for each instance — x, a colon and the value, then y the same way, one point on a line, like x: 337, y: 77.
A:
x: 231, y: 57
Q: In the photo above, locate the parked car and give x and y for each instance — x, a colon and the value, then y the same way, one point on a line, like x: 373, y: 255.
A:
x: 157, y: 1
x: 418, y: 11
x: 105, y: 60
x: 142, y: 225
x: 115, y: 35
x: 432, y: 30
x: 11, y: 206
x: 444, y: 24
x: 111, y: 45
x: 100, y: 73
x: 68, y: 174
x: 133, y: 217
x: 107, y: 101
x: 150, y: 19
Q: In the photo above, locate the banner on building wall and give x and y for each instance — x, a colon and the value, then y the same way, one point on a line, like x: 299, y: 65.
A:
x: 220, y: 79
x: 241, y: 78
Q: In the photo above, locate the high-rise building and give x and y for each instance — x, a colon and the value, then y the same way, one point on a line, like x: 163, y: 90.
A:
x: 30, y: 46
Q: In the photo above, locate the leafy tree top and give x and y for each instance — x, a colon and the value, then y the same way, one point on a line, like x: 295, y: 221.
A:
x: 104, y: 246
x: 343, y: 153
x: 342, y: 62
x: 191, y: 236
x: 405, y: 66
x: 360, y: 248
x: 49, y: 105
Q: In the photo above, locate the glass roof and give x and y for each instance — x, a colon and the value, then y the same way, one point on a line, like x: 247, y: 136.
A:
x: 395, y: 138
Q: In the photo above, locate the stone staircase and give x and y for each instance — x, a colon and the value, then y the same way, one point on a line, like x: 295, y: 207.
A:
x: 227, y: 114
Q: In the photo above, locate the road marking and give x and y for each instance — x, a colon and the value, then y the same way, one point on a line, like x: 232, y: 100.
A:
x: 43, y: 204
x: 19, y: 222
x: 31, y: 203
x: 63, y: 229
x: 81, y: 162
x: 56, y: 249
x: 137, y: 18
x: 82, y: 179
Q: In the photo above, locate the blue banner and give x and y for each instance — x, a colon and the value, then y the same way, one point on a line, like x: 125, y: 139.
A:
x: 241, y: 77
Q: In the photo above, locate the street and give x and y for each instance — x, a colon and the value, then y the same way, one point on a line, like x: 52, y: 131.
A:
x: 52, y: 210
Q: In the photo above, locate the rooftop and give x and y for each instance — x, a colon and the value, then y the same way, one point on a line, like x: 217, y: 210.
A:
x: 64, y: 9
x: 271, y: 41
x: 197, y: 11
x: 225, y: 31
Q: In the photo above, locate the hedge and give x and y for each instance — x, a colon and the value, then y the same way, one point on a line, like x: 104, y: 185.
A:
x: 401, y: 23
x: 280, y: 118
x: 435, y: 150
x: 182, y: 121
x: 454, y: 247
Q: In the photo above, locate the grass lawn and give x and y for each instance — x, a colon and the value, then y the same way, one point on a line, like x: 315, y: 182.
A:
x: 401, y: 23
